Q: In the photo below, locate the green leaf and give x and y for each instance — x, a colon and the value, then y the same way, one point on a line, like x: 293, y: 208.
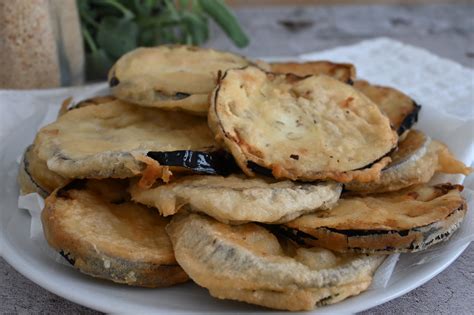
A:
x: 111, y: 28
x: 86, y: 13
x: 117, y: 36
x: 171, y: 9
x: 157, y: 21
x: 196, y: 27
x: 147, y: 37
x: 90, y: 45
x: 226, y: 20
x: 97, y: 65
x: 142, y: 7
x: 107, y: 4
x: 166, y: 36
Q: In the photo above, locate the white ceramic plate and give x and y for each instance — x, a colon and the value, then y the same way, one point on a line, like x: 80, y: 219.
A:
x: 20, y: 251
x: 423, y: 83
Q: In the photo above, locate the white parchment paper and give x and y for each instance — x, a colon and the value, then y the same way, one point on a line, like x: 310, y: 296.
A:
x: 444, y: 88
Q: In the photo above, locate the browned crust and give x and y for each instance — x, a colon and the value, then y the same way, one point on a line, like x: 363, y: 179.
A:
x: 26, y: 181
x: 384, y: 241
x: 64, y: 106
x: 345, y: 72
x: 97, y: 100
x: 85, y: 256
x: 399, y: 107
x: 410, y: 241
x: 34, y: 175
x: 366, y: 174
x: 152, y: 172
x: 141, y: 91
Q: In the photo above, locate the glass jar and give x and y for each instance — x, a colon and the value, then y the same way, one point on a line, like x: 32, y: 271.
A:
x: 40, y: 44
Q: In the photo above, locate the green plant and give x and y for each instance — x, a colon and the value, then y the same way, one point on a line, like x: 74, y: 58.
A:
x: 113, y: 27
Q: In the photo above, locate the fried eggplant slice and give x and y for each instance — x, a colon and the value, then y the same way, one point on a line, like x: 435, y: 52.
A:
x: 415, y: 161
x: 69, y: 105
x: 400, y: 108
x: 409, y: 220
x: 171, y: 77
x: 300, y: 128
x: 238, y: 199
x: 96, y: 227
x: 247, y: 263
x: 35, y: 177
x: 113, y: 139
x: 344, y: 72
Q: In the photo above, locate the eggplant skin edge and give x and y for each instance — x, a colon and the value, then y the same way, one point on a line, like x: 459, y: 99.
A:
x: 425, y: 236
x: 410, y: 119
x: 213, y: 163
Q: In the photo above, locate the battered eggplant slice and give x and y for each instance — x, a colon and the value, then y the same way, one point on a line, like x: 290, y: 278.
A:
x: 415, y: 161
x: 247, y: 263
x: 113, y: 140
x: 409, y: 220
x: 69, y: 105
x: 35, y: 177
x: 96, y: 227
x: 400, y: 108
x: 237, y: 199
x: 344, y: 72
x: 300, y: 128
x: 171, y: 77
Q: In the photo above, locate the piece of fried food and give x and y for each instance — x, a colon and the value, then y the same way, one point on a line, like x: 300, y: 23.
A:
x: 300, y: 128
x: 96, y: 100
x: 35, y: 177
x: 415, y: 161
x: 99, y: 231
x: 238, y: 199
x: 409, y: 220
x: 344, y: 72
x: 171, y: 77
x: 247, y: 263
x: 113, y: 139
x: 399, y: 107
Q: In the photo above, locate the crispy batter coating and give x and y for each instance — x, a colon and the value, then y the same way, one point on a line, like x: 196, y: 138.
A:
x: 399, y: 107
x: 344, y: 72
x: 110, y: 139
x: 105, y: 235
x: 34, y: 175
x: 171, y: 77
x: 248, y: 263
x: 300, y: 128
x: 415, y: 161
x: 238, y: 199
x: 403, y: 221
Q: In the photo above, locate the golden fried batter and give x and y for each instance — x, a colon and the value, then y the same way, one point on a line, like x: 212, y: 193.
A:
x: 248, y: 263
x: 34, y: 175
x: 105, y: 235
x: 238, y: 199
x: 403, y: 221
x: 110, y: 139
x: 300, y: 128
x: 171, y: 77
x: 344, y: 72
x: 415, y: 161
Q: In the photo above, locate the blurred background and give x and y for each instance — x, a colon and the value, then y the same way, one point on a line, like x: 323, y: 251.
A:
x: 51, y: 43
x: 285, y: 27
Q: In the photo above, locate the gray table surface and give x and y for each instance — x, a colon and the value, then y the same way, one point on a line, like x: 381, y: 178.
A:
x: 447, y: 30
